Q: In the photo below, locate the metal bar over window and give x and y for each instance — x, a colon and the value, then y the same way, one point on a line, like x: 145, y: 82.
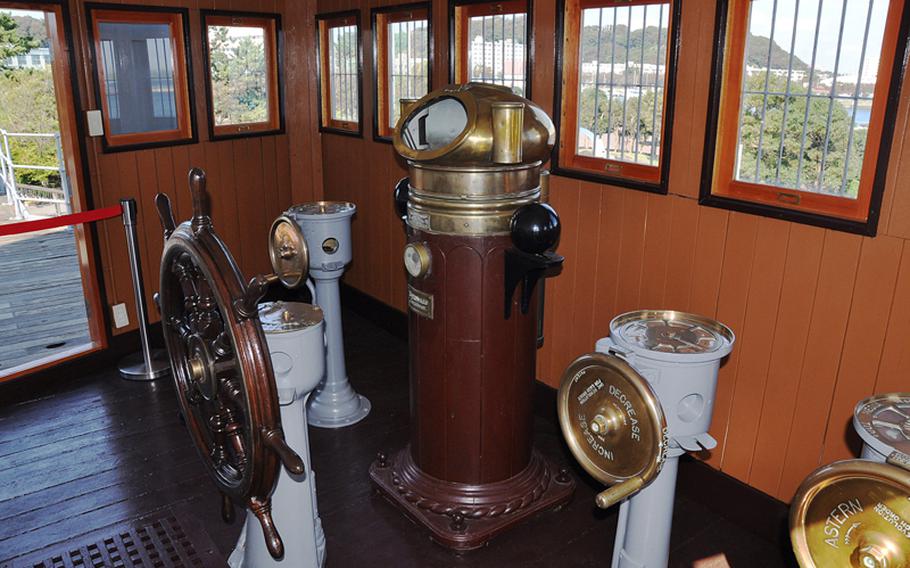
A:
x: 783, y: 124
x: 655, y: 128
x: 819, y: 183
x: 630, y: 74
x: 859, y: 82
x: 625, y: 89
x: 764, y: 103
x: 824, y: 88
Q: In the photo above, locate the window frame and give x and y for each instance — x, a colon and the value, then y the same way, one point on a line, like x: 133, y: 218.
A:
x: 653, y: 179
x: 326, y: 123
x: 181, y: 47
x: 274, y: 39
x: 381, y: 17
x: 858, y: 215
x: 458, y: 49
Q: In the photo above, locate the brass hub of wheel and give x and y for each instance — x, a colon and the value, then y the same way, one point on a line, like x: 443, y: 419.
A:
x: 200, y: 367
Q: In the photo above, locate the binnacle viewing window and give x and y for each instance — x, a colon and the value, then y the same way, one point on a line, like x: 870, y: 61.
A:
x: 490, y: 43
x: 242, y: 73
x: 616, y: 83
x: 403, y: 59
x: 340, y: 72
x: 802, y: 110
x: 141, y: 69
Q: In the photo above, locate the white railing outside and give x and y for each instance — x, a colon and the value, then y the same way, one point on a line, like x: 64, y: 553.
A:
x: 18, y: 195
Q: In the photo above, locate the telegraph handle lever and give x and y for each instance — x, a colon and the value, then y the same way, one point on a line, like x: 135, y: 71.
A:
x: 609, y: 497
x: 899, y: 459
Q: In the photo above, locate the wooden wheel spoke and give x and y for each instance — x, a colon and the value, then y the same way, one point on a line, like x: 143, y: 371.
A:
x: 222, y: 345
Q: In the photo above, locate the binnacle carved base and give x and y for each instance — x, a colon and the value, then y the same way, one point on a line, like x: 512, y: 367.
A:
x: 465, y: 516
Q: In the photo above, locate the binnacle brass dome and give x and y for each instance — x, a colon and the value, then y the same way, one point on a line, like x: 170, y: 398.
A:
x: 474, y: 124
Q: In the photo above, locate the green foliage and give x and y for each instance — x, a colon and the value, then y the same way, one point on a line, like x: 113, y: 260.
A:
x: 239, y: 77
x: 33, y: 27
x: 818, y: 136
x: 13, y: 41
x: 784, y: 118
x: 627, y: 46
x: 419, y: 43
x: 30, y: 106
x: 343, y: 56
x: 757, y: 54
x: 609, y: 118
x: 494, y: 30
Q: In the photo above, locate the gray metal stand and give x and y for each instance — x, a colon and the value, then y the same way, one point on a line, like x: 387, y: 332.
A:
x: 148, y: 364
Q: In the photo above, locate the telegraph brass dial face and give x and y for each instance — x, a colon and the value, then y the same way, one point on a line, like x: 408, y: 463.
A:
x: 611, y: 419
x: 853, y: 513
x: 671, y: 332
x: 322, y: 208
x: 288, y: 252
x: 887, y: 418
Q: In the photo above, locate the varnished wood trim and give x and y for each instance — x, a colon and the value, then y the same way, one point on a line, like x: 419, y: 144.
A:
x: 717, y: 186
x: 565, y: 104
x: 66, y: 85
x: 274, y: 39
x: 459, y: 13
x: 323, y: 23
x: 178, y: 19
x: 380, y: 18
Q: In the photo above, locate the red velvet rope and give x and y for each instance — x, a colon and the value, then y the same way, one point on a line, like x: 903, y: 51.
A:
x: 62, y: 220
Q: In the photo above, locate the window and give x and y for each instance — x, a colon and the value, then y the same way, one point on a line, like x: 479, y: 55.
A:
x: 490, y: 43
x: 618, y: 69
x: 403, y: 59
x: 802, y: 109
x: 242, y: 73
x: 141, y: 68
x: 339, y: 72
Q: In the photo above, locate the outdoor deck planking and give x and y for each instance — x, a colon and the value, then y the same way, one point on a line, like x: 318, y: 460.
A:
x: 42, y: 302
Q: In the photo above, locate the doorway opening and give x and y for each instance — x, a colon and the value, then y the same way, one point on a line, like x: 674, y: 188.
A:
x: 49, y: 304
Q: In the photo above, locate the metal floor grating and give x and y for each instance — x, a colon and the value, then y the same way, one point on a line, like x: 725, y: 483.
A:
x: 159, y: 543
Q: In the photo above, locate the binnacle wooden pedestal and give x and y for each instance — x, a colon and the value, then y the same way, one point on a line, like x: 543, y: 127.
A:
x: 470, y: 471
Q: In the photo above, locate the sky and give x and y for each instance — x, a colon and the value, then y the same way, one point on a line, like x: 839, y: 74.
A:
x: 856, y: 14
x: 20, y: 13
x: 783, y: 12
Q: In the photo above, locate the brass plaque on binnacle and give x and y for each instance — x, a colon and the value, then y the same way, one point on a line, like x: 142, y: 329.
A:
x: 612, y: 420
x: 853, y: 513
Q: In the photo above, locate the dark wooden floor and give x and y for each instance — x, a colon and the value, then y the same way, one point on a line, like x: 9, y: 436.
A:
x: 80, y: 459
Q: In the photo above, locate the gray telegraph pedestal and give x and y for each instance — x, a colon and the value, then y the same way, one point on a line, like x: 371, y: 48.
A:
x: 326, y: 226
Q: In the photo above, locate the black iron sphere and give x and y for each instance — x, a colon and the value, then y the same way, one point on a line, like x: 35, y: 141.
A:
x: 535, y: 228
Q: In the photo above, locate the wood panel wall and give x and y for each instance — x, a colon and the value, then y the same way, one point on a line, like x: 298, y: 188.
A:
x: 822, y: 318
x: 250, y: 180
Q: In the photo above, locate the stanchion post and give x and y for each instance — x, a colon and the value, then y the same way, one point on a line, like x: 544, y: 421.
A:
x: 148, y: 364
